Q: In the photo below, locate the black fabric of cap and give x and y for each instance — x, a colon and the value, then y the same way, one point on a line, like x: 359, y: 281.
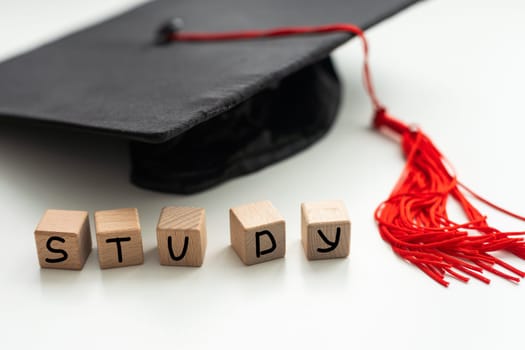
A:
x: 196, y: 113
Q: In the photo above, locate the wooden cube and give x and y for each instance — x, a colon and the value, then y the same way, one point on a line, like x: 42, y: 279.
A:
x: 325, y: 230
x: 63, y: 239
x: 257, y: 232
x: 181, y: 236
x: 119, y: 239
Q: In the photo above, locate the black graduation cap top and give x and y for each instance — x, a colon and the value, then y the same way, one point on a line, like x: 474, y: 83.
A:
x: 197, y: 113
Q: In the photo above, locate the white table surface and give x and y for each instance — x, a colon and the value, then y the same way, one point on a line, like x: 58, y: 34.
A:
x: 456, y: 68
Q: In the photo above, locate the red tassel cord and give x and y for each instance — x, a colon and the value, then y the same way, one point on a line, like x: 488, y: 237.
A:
x: 414, y: 219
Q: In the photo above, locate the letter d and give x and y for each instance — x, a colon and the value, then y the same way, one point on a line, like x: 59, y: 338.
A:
x: 258, y: 236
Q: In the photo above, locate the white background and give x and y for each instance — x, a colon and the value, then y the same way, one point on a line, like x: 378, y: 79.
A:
x: 456, y: 68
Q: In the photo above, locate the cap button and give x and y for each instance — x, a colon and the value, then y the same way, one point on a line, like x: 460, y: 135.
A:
x: 167, y: 30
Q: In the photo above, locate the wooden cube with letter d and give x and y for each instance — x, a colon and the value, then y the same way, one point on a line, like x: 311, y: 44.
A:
x: 257, y: 232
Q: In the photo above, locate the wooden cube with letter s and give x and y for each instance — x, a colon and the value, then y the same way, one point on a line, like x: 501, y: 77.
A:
x: 63, y: 239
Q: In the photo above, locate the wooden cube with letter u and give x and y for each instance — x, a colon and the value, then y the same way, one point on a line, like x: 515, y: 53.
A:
x: 325, y: 230
x: 181, y: 236
x: 257, y: 232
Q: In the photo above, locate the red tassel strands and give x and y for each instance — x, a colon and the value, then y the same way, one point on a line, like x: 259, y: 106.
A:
x: 414, y: 219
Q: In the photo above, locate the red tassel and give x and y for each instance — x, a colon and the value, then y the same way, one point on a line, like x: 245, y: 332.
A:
x: 415, y: 222
x: 414, y: 218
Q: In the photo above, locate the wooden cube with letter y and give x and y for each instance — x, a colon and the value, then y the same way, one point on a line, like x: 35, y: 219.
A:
x: 119, y: 239
x: 181, y: 236
x: 63, y: 239
x: 325, y: 230
x: 257, y: 232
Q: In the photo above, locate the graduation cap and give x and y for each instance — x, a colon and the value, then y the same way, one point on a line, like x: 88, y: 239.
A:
x: 197, y: 114
x: 200, y: 113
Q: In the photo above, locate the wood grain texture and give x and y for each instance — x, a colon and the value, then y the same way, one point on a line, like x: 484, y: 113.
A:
x: 63, y: 239
x: 118, y: 228
x: 181, y: 236
x: 257, y: 232
x: 325, y: 230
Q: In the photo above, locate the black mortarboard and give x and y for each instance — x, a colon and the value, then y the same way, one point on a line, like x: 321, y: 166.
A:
x: 196, y: 113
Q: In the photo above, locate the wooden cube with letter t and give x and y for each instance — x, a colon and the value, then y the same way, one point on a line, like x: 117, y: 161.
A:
x: 181, y: 236
x: 63, y: 239
x: 257, y: 232
x: 119, y: 239
x: 325, y: 230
